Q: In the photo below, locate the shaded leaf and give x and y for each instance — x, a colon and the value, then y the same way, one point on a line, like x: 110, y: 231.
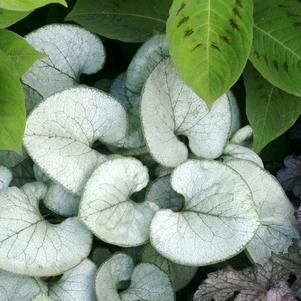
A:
x: 270, y: 110
x: 128, y: 20
x: 290, y: 175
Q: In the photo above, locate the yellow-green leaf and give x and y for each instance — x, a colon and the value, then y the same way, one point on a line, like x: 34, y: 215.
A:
x: 210, y: 41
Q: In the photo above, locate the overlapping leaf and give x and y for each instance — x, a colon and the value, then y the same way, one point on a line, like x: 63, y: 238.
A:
x: 128, y: 20
x: 60, y: 132
x: 210, y: 42
x: 218, y: 218
x: 276, y: 51
x: 169, y: 108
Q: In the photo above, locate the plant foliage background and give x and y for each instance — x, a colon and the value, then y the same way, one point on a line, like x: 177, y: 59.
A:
x: 252, y: 47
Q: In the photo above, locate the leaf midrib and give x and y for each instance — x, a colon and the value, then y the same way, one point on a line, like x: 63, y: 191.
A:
x: 266, y: 112
x: 120, y: 14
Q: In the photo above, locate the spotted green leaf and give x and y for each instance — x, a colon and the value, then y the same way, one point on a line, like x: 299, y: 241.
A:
x: 210, y: 42
x: 276, y: 51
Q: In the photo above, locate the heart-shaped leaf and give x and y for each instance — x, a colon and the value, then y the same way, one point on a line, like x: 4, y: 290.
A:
x: 276, y: 53
x: 61, y: 130
x: 169, y: 108
x: 76, y: 284
x: 106, y: 207
x: 70, y: 50
x: 218, y: 218
x: 147, y: 282
x: 29, y: 244
x: 276, y: 231
x: 210, y: 42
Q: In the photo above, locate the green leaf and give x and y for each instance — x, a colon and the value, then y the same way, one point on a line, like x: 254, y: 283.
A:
x: 128, y: 20
x: 276, y: 52
x: 26, y: 5
x: 210, y: 42
x: 10, y: 17
x: 270, y: 110
x: 12, y: 114
x: 21, y: 53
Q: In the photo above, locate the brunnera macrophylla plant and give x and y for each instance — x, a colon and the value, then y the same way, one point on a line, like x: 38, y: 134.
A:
x: 148, y: 167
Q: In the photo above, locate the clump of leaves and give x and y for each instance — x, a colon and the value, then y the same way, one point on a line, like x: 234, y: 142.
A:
x: 290, y: 175
x: 277, y: 279
x: 148, y: 167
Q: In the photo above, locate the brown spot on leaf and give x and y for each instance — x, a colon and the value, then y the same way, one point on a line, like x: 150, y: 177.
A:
x: 214, y: 46
x: 181, y: 8
x: 225, y: 39
x: 238, y: 3
x: 188, y: 33
x: 233, y: 24
x: 183, y: 20
x: 256, y: 53
x: 197, y: 46
x: 285, y: 66
x: 266, y: 59
x: 236, y: 12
